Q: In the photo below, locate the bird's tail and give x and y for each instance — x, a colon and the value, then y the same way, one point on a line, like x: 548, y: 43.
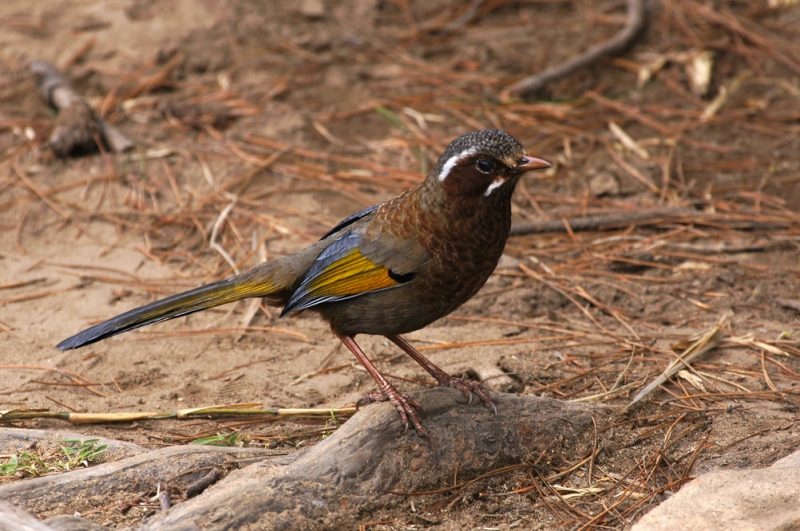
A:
x: 202, y: 298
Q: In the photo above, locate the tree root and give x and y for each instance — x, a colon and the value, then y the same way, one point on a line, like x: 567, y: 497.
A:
x: 361, y: 468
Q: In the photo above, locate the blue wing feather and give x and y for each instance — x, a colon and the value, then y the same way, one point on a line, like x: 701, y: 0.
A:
x: 308, y: 294
x: 338, y: 269
x: 302, y: 298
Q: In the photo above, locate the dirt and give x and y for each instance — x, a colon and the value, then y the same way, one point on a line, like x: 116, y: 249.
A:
x: 83, y: 239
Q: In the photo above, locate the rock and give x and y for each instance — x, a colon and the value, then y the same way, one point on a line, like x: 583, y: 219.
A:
x: 603, y: 184
x: 313, y: 9
x: 763, y: 499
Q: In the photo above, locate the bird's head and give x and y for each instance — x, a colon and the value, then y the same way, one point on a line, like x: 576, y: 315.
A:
x: 483, y: 165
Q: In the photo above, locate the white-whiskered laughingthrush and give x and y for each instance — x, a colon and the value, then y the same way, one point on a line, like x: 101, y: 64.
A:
x: 387, y: 270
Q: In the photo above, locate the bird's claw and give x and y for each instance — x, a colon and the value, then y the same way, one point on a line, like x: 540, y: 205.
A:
x: 405, y: 405
x: 470, y: 389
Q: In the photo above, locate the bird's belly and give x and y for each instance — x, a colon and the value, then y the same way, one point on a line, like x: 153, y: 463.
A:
x: 381, y: 313
x: 402, y: 309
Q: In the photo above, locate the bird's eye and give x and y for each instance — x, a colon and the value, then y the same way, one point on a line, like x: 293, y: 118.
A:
x: 484, y: 166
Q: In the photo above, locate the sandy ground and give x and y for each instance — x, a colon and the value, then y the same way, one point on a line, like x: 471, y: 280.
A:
x: 83, y: 239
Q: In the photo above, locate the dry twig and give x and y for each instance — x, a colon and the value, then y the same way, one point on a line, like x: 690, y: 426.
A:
x: 530, y: 86
x: 703, y: 344
x: 78, y: 128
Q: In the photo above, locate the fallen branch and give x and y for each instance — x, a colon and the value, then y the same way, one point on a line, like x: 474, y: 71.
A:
x: 77, y: 128
x: 530, y: 86
x: 602, y: 222
x: 207, y: 412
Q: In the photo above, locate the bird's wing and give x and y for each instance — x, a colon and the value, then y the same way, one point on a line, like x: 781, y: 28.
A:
x: 345, y: 270
x: 349, y: 220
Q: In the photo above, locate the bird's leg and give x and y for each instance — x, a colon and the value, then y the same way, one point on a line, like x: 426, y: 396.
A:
x: 404, y: 404
x: 445, y: 380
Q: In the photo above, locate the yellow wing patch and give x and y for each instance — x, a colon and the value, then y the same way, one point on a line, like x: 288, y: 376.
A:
x: 352, y: 274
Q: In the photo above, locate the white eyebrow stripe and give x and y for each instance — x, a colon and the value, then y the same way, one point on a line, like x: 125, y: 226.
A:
x: 452, y: 161
x: 497, y: 183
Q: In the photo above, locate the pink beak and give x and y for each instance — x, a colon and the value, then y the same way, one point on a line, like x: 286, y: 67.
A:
x: 531, y: 163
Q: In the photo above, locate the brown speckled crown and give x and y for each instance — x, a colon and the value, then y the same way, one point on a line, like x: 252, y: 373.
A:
x: 494, y: 142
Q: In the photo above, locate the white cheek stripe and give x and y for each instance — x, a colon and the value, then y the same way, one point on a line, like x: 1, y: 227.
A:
x: 497, y: 183
x: 452, y: 161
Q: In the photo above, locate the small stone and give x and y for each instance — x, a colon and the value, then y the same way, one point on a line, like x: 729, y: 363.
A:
x: 603, y: 184
x: 508, y: 262
x: 313, y: 9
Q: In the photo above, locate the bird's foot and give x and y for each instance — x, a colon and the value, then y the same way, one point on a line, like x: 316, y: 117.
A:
x: 470, y: 388
x: 370, y: 398
x: 405, y: 405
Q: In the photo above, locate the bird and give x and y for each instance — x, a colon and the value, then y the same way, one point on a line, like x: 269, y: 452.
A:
x: 388, y: 270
